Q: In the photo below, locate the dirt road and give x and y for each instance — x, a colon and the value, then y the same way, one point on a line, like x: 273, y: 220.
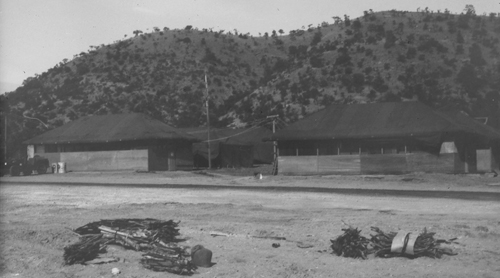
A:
x: 36, y: 222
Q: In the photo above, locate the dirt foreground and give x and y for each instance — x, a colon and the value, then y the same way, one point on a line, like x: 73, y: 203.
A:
x: 37, y: 217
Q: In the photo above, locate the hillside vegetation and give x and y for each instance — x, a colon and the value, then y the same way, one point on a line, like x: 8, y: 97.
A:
x: 444, y: 60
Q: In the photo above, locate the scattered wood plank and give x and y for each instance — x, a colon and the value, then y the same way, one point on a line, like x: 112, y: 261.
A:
x: 271, y: 237
x: 102, y: 261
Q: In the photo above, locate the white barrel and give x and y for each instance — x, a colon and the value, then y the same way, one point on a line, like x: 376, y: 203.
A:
x: 62, y: 167
x: 55, y: 168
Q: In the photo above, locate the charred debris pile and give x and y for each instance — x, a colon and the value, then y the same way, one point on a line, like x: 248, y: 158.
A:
x: 389, y: 244
x: 156, y: 239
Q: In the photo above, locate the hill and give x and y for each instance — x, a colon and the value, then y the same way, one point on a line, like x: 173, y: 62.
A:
x: 439, y: 58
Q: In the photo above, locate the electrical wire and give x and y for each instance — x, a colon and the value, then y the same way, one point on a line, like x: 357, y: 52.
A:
x: 255, y: 124
x: 227, y: 137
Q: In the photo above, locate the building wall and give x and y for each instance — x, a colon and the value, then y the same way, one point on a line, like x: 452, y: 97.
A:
x: 158, y: 159
x: 342, y: 164
x: 448, y: 163
x: 184, y: 158
x: 323, y: 164
x: 171, y: 157
x: 101, y: 161
x: 487, y: 160
x: 370, y: 164
x: 299, y: 165
x: 495, y: 154
x: 384, y: 163
x: 376, y: 157
x: 153, y: 159
x: 52, y: 157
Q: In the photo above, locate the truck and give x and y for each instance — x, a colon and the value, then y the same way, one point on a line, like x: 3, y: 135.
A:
x: 28, y: 166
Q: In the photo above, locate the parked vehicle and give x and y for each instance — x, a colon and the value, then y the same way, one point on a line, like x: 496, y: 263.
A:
x: 28, y: 166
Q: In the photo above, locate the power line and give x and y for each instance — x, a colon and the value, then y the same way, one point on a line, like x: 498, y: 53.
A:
x: 254, y: 125
x: 25, y: 117
x: 283, y: 122
x: 257, y: 122
x: 227, y: 137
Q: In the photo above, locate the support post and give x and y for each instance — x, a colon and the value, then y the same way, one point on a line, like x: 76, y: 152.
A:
x: 275, y: 145
x: 208, y: 125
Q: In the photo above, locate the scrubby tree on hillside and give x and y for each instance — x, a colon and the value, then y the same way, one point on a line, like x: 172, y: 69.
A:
x: 476, y: 55
x: 469, y: 79
x: 347, y: 21
x: 359, y: 60
x: 470, y: 10
x: 390, y: 39
x: 356, y: 24
x: 460, y: 38
x: 316, y: 38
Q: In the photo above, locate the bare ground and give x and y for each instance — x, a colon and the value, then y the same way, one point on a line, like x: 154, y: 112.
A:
x: 36, y: 220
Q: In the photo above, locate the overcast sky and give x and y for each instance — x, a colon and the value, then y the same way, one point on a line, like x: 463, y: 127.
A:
x: 35, y: 35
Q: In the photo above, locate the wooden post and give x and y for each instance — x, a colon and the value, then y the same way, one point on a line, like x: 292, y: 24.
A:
x: 492, y: 160
x: 275, y: 144
x: 466, y: 168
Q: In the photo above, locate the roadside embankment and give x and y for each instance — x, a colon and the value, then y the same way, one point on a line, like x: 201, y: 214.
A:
x: 417, y: 181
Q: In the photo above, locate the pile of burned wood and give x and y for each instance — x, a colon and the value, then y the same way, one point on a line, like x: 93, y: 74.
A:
x: 156, y: 238
x: 405, y: 244
x: 350, y: 244
x: 386, y: 245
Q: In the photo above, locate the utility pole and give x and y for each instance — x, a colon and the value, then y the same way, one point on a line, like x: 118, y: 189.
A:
x: 275, y: 147
x: 5, y: 140
x: 208, y: 124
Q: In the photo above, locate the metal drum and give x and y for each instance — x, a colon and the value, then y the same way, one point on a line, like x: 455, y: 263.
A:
x: 62, y: 167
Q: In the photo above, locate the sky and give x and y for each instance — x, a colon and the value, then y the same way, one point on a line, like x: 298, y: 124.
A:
x: 36, y: 35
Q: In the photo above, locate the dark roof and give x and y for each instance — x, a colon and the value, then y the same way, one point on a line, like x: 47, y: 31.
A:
x: 381, y: 120
x: 230, y: 136
x: 110, y: 128
x: 470, y: 124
